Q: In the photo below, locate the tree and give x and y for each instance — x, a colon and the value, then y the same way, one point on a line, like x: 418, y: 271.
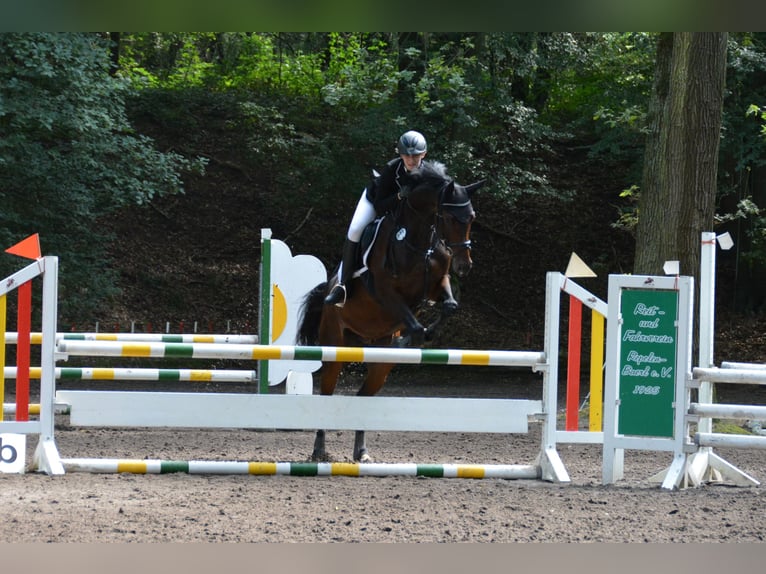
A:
x: 68, y: 156
x: 681, y: 156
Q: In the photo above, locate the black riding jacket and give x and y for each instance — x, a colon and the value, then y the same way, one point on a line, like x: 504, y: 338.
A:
x: 383, y: 191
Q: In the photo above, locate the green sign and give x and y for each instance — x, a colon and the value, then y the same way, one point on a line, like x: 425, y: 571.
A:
x: 648, y: 345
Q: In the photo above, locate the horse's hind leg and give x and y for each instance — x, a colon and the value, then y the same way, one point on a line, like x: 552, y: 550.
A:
x: 320, y: 450
x: 376, y: 378
x: 329, y: 378
x: 360, y: 448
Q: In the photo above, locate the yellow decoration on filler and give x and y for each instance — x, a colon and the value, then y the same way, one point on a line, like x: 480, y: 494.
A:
x: 279, y: 314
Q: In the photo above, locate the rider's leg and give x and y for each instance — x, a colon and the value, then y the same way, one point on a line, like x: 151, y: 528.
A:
x: 338, y: 294
x: 363, y: 215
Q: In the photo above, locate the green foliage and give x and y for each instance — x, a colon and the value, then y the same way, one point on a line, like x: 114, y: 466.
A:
x: 754, y: 110
x: 613, y: 84
x: 313, y: 113
x: 360, y: 73
x: 743, y: 147
x: 358, y: 91
x: 628, y: 212
x: 69, y: 156
x: 445, y: 89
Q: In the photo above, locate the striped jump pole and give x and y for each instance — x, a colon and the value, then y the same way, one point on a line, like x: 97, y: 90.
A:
x: 142, y: 374
x: 34, y: 409
x: 153, y: 466
x: 299, y: 353
x: 36, y: 338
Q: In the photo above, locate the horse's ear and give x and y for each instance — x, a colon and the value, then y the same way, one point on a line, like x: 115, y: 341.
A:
x: 469, y: 189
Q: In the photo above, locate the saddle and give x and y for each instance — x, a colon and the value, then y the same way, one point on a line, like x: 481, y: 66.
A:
x: 366, y: 243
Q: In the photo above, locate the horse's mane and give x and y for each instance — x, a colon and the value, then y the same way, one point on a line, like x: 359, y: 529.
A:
x: 430, y: 173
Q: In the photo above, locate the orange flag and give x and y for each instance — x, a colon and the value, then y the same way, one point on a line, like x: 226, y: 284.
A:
x: 29, y: 247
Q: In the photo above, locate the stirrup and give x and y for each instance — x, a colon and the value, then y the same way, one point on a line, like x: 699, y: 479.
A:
x: 337, y: 296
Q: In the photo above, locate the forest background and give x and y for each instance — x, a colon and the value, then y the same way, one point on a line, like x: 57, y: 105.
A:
x: 149, y: 163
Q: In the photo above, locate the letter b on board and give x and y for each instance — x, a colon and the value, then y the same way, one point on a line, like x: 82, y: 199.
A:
x: 13, y: 449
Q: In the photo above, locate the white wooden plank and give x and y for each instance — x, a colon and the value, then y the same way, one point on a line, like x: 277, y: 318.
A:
x: 225, y: 410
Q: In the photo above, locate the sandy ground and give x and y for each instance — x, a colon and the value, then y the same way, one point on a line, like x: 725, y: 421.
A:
x: 94, y: 508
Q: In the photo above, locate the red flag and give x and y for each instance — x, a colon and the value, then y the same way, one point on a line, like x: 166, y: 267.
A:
x: 29, y: 247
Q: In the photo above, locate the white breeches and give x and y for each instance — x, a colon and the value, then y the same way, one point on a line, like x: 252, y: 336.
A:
x: 363, y: 215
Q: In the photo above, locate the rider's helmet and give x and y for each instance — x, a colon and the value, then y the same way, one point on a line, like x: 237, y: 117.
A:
x: 412, y: 143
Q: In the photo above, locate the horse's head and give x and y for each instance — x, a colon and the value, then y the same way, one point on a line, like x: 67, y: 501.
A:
x: 457, y: 215
x: 429, y: 190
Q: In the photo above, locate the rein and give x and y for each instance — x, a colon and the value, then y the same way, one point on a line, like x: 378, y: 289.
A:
x: 433, y: 240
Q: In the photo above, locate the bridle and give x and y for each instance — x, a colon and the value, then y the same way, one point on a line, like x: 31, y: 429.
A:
x: 453, y: 208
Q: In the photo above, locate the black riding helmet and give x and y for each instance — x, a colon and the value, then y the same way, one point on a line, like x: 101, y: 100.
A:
x: 412, y: 143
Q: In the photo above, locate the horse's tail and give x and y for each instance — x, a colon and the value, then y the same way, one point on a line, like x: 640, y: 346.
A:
x: 311, y: 315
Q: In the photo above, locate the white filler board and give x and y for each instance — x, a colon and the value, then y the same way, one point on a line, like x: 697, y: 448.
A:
x: 228, y: 410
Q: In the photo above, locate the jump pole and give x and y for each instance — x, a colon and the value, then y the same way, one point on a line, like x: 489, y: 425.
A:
x: 36, y: 338
x: 308, y: 353
x: 142, y: 374
x: 155, y: 466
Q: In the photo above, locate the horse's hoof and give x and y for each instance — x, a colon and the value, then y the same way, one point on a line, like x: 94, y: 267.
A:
x: 402, y: 341
x: 364, y: 458
x: 449, y: 308
x: 418, y: 337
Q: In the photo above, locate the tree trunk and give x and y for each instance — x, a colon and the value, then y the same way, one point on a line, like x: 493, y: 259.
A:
x: 114, y: 53
x: 681, y: 158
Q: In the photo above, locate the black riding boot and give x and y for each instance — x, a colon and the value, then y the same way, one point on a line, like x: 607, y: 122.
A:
x: 338, y: 294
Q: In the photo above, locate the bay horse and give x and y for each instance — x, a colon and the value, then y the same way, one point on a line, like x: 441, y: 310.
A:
x: 406, y: 269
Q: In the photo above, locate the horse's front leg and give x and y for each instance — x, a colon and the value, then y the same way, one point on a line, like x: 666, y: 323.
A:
x: 449, y: 303
x: 414, y: 332
x: 449, y: 307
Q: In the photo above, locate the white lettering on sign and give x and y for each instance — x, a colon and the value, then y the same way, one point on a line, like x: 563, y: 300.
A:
x: 647, y: 311
x: 630, y: 371
x: 639, y: 337
x: 637, y: 358
x: 646, y: 390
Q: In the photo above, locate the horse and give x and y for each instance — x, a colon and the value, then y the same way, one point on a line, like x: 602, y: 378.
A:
x: 406, y: 260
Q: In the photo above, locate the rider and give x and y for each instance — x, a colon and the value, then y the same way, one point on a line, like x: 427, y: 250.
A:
x: 378, y: 198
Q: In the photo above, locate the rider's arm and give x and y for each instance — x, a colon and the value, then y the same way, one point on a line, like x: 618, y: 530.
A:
x: 384, y: 190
